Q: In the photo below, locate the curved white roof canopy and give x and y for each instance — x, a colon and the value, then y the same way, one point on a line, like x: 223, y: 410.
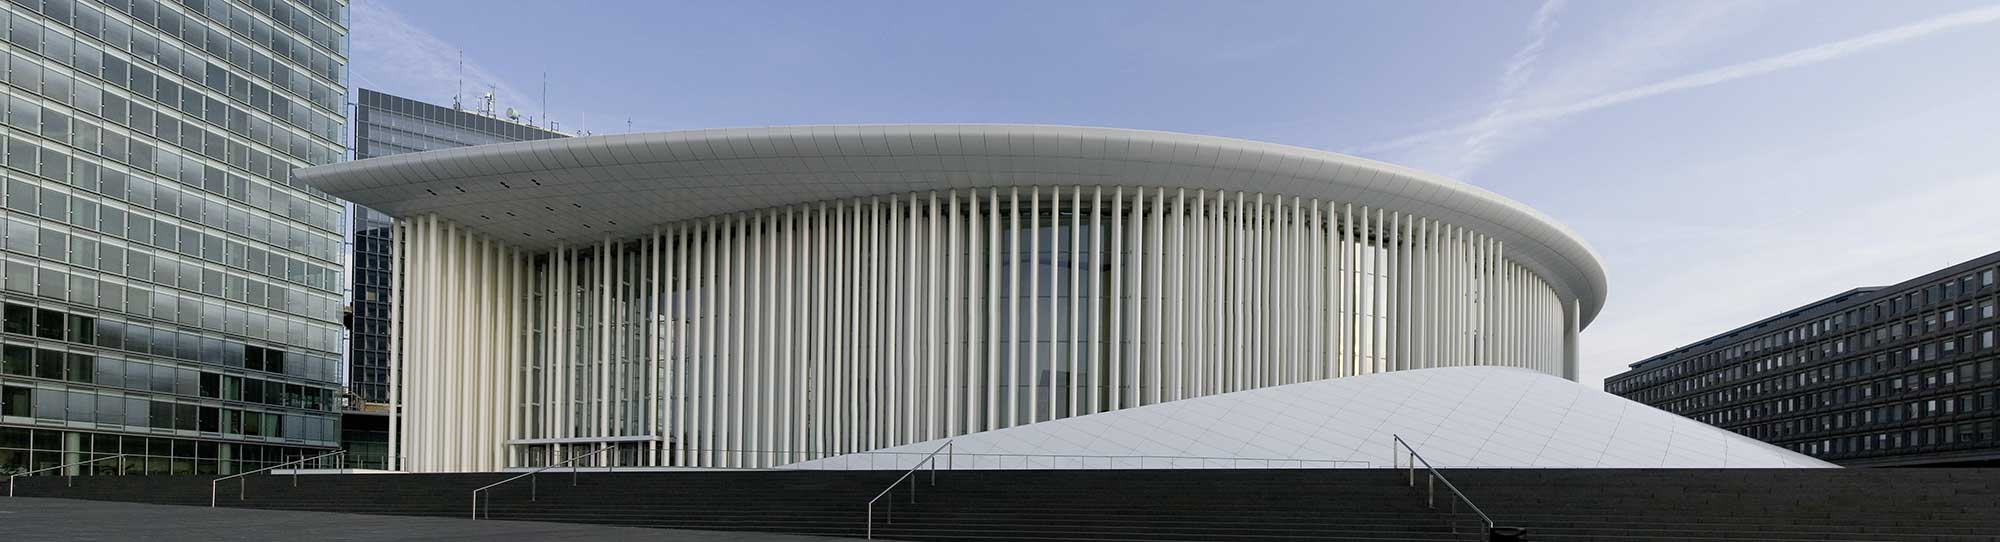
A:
x: 537, y: 194
x: 1459, y: 417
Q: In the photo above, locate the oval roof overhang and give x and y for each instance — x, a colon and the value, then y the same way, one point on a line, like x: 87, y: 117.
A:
x: 539, y: 194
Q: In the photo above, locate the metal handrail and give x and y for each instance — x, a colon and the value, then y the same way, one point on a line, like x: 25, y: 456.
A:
x: 71, y: 477
x: 890, y: 515
x: 242, y: 483
x: 535, y: 487
x: 1430, y: 482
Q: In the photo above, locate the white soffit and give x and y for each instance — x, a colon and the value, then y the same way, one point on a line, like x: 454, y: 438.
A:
x: 538, y: 194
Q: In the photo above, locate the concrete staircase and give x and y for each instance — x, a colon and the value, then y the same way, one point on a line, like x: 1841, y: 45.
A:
x: 1100, y: 505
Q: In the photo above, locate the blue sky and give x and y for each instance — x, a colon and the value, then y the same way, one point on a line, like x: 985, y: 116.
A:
x: 1729, y: 160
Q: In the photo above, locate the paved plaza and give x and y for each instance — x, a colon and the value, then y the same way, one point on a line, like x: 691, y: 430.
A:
x: 38, y: 519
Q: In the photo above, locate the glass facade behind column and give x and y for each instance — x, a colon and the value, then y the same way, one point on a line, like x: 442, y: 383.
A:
x: 168, y: 291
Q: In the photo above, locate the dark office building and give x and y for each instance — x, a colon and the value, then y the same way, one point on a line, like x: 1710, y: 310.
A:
x: 385, y: 125
x: 171, y: 297
x: 1880, y: 376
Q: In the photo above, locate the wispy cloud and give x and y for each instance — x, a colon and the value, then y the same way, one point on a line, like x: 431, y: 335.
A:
x: 403, y: 58
x: 1484, y: 127
x: 1520, y: 69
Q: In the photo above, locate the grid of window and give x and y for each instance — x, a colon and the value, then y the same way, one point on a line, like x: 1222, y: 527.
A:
x: 163, y: 278
x: 386, y: 124
x: 1904, y: 374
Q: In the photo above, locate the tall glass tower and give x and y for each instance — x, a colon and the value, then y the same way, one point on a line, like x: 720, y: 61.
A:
x: 169, y: 293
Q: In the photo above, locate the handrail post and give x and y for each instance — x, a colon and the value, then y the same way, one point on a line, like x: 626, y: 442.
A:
x: 1431, y: 478
x: 69, y: 480
x: 534, y: 481
x: 242, y: 482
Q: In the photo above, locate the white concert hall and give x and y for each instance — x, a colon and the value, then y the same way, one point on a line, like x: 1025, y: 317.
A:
x: 770, y: 296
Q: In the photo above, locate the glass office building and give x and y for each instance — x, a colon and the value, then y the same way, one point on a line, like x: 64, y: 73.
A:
x: 1893, y: 375
x: 169, y: 292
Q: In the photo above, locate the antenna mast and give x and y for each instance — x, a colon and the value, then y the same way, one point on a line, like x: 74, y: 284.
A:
x: 457, y: 100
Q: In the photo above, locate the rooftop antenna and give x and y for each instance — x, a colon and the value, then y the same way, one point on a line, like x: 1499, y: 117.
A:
x: 486, y: 101
x: 628, y: 125
x: 545, y: 100
x: 457, y: 103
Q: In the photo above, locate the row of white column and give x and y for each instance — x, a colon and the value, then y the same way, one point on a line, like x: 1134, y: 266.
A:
x: 458, y: 347
x: 788, y: 334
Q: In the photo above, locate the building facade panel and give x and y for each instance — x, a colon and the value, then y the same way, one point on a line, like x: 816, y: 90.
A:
x: 170, y: 292
x: 1895, y: 375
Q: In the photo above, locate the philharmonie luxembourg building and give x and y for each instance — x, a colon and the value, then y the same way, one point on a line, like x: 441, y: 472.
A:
x: 780, y: 296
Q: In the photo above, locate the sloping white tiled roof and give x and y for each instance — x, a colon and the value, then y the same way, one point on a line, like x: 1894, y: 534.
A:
x: 1492, y: 417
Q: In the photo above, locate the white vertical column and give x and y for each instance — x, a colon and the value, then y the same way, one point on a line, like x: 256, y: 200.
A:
x: 1239, y: 305
x: 1097, y: 328
x: 602, y: 386
x: 993, y: 303
x: 1142, y: 309
x: 1074, y: 300
x: 821, y: 285
x: 985, y: 239
x: 1312, y: 300
x: 1156, y: 299
x: 771, y: 361
x: 516, y: 300
x: 1173, y: 293
x: 483, y: 334
x: 853, y: 375
x: 954, y: 308
x: 1114, y: 359
x: 1344, y: 338
x: 932, y: 412
x: 1379, y: 322
x: 711, y: 299
x: 890, y: 372
x: 1197, y: 261
x: 1014, y: 308
x: 1257, y: 277
x: 1033, y: 267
